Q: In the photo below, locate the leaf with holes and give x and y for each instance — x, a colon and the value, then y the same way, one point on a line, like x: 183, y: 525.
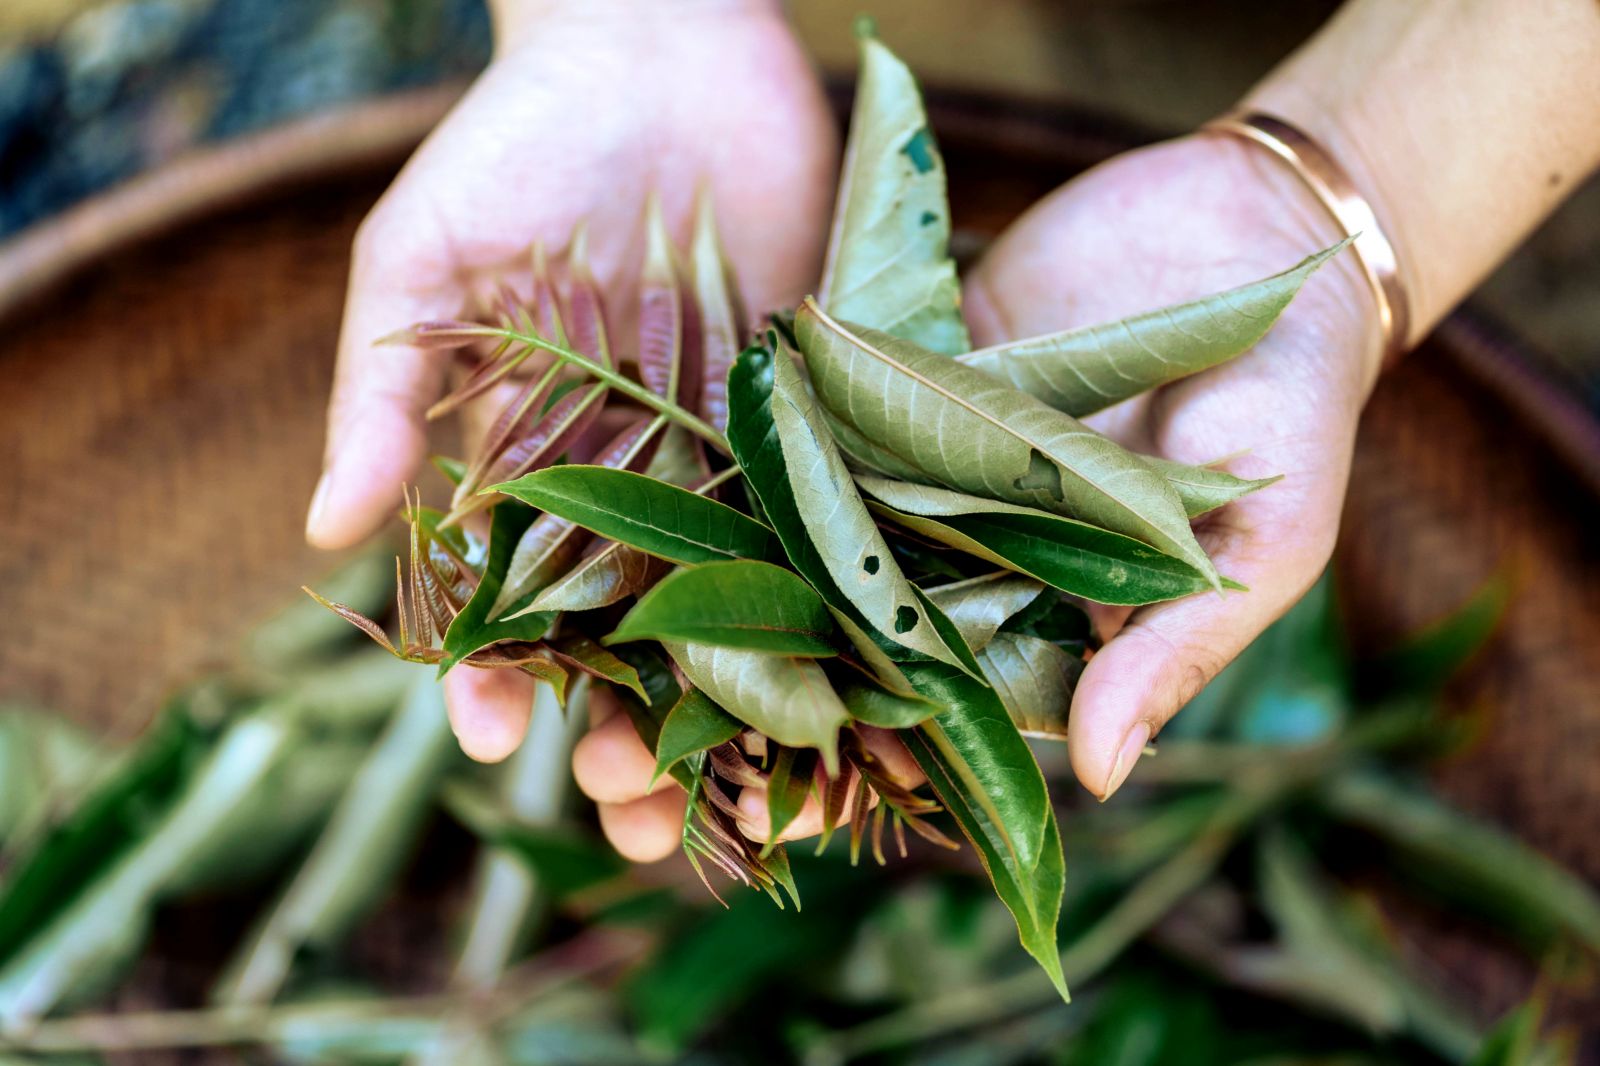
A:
x: 888, y: 262
x: 965, y: 430
x: 738, y: 604
x: 1082, y: 371
x: 838, y: 524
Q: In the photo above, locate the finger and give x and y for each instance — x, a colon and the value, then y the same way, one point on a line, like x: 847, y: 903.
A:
x: 891, y: 754
x: 645, y: 830
x: 1164, y: 654
x: 376, y: 435
x: 612, y: 765
x: 755, y: 817
x: 489, y: 710
x: 603, y: 704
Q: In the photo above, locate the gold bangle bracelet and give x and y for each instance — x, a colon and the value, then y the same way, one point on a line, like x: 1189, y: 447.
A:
x: 1349, y: 210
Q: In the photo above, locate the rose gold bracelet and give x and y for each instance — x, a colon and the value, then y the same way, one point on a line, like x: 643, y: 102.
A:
x: 1333, y: 188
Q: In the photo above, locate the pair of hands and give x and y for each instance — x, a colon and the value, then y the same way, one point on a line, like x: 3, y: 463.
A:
x: 595, y: 107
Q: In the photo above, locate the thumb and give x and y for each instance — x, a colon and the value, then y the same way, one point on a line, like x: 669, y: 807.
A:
x: 376, y: 431
x: 1166, y: 653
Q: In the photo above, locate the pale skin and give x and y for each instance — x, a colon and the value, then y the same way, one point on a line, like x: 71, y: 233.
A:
x: 1463, y: 125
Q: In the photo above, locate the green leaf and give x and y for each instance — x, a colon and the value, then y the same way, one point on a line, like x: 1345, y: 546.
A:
x: 880, y: 707
x: 1072, y: 556
x: 965, y: 430
x: 647, y: 514
x: 790, y: 700
x: 354, y: 861
x: 1429, y: 658
x: 737, y: 604
x: 985, y: 776
x: 754, y: 441
x: 694, y: 724
x: 1202, y: 488
x: 1035, y: 680
x: 109, y: 817
x: 787, y: 788
x: 1470, y: 863
x: 1084, y: 370
x: 471, y: 629
x: 838, y: 524
x: 579, y: 651
x: 567, y: 860
x: 888, y: 262
x: 979, y: 606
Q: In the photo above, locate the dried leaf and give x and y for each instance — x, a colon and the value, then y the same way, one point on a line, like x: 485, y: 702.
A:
x: 967, y: 431
x: 1083, y: 370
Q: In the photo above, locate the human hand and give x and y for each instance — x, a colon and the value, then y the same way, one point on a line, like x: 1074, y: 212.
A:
x: 1154, y: 227
x: 587, y: 108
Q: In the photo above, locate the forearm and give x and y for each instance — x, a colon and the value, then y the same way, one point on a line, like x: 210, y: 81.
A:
x: 1464, y: 123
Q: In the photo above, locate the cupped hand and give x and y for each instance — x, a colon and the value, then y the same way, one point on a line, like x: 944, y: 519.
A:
x: 588, y: 108
x: 1154, y: 227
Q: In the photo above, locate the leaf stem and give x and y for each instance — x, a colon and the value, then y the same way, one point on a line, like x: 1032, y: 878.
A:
x: 685, y: 418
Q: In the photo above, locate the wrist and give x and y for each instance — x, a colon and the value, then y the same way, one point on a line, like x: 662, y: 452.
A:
x: 514, y: 20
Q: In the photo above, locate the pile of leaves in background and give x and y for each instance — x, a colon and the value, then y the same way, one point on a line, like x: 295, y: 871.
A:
x: 852, y: 519
x: 1227, y: 909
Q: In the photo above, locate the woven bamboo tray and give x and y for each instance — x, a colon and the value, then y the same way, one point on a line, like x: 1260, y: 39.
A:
x: 167, y: 350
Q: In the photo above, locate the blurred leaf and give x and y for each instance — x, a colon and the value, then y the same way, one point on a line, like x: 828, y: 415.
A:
x: 985, y: 776
x: 1333, y: 973
x: 85, y: 945
x: 1084, y: 370
x: 915, y: 406
x: 694, y: 724
x: 650, y: 515
x: 568, y: 861
x: 789, y: 700
x: 978, y: 607
x: 1469, y: 862
x: 1516, y: 1041
x: 1035, y: 680
x: 737, y: 604
x: 1291, y: 686
x: 734, y: 955
x: 841, y: 530
x: 1428, y: 659
x: 888, y: 262
x: 111, y: 816
x: 355, y: 859
x: 46, y: 761
x: 1072, y: 556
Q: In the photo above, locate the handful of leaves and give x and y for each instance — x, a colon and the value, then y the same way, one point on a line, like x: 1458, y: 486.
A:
x: 848, y: 518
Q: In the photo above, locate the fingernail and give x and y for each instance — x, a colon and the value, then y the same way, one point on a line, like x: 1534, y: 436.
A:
x: 1132, y: 747
x: 319, y: 500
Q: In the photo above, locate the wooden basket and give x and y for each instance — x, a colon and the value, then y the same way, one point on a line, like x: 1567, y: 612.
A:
x: 167, y: 351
